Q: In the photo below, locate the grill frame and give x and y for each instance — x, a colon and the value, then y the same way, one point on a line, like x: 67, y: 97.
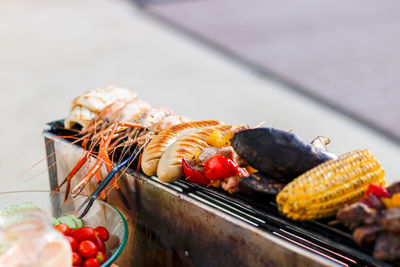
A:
x: 245, y: 228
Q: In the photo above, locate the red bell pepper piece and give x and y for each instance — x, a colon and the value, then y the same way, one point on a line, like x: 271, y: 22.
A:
x: 377, y: 191
x: 192, y: 174
x: 219, y: 167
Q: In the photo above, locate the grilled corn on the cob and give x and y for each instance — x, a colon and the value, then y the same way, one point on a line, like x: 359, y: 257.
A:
x: 321, y: 191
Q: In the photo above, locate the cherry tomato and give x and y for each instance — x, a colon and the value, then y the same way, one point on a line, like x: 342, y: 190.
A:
x: 63, y: 228
x: 102, y: 232
x: 76, y: 259
x: 100, y: 244
x: 92, y: 262
x: 219, y: 167
x: 192, y: 174
x: 87, y: 249
x: 84, y: 233
x: 101, y: 257
x: 377, y: 191
x: 72, y: 241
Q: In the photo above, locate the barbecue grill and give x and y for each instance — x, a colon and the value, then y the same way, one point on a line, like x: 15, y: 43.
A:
x: 184, y: 224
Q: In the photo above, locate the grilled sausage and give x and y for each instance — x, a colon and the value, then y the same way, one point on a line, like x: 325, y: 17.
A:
x: 170, y: 166
x: 159, y: 144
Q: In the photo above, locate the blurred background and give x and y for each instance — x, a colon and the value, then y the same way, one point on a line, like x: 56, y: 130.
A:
x: 317, y: 67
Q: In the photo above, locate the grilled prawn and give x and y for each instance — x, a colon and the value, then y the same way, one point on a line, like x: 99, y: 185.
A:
x: 123, y: 122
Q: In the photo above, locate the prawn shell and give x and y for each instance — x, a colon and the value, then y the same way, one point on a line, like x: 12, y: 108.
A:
x: 159, y: 144
x: 258, y: 184
x: 280, y: 154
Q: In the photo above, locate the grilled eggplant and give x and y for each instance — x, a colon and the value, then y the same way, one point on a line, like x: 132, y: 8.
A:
x: 279, y: 154
x: 259, y: 185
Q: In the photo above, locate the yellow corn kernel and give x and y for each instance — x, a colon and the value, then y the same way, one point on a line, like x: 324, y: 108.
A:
x: 321, y: 191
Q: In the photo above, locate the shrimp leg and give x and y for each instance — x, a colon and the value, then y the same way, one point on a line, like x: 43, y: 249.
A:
x: 73, y: 172
x: 102, y: 157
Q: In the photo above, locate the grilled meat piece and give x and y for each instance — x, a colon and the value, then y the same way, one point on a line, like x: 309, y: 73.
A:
x: 390, y: 220
x: 394, y: 188
x: 231, y: 184
x: 206, y: 154
x: 209, y: 152
x: 229, y: 152
x: 259, y: 184
x: 387, y: 247
x: 280, y: 154
x: 355, y: 214
x: 373, y: 202
x: 365, y: 235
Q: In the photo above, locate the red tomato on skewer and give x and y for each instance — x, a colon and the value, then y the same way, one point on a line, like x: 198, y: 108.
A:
x: 219, y: 167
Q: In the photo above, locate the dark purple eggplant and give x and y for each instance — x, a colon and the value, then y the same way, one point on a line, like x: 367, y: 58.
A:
x: 258, y: 184
x: 279, y: 154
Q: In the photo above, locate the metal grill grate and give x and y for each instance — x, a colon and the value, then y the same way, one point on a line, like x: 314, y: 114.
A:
x: 317, y: 237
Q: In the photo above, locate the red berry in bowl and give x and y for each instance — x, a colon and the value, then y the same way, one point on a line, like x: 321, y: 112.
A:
x: 84, y: 233
x: 100, y: 244
x: 72, y: 241
x: 63, y: 228
x: 87, y: 249
x: 101, y: 257
x: 76, y: 259
x: 92, y: 262
x: 102, y: 232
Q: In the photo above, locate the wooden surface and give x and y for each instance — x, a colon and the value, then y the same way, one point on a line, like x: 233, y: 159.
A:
x: 344, y: 54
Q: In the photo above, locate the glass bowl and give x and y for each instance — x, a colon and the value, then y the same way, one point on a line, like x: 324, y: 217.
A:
x: 100, y: 214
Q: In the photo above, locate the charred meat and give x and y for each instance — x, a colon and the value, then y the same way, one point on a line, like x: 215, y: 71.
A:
x: 356, y: 214
x: 390, y: 220
x: 366, y: 235
x: 387, y: 247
